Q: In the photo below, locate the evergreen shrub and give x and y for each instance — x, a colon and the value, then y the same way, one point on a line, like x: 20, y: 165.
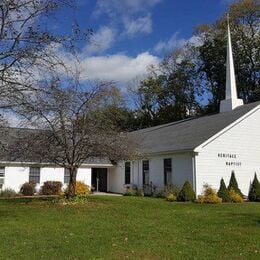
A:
x: 233, y: 184
x: 254, y: 192
x: 223, y: 192
x: 186, y: 193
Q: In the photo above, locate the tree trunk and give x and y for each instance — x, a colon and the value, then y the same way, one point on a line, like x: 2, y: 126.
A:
x: 72, y: 183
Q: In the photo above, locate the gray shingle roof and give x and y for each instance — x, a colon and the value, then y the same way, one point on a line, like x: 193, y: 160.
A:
x: 187, y: 134
x: 10, y: 135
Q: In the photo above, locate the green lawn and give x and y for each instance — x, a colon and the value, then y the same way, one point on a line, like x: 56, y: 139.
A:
x: 129, y: 228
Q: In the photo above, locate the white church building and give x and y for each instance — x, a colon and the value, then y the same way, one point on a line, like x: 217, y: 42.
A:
x: 200, y: 150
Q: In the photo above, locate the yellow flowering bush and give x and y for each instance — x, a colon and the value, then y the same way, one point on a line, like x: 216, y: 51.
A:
x: 234, y: 196
x: 209, y: 196
x: 82, y: 188
x: 171, y: 197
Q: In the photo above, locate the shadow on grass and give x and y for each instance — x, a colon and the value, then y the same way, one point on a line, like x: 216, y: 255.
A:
x: 29, y: 199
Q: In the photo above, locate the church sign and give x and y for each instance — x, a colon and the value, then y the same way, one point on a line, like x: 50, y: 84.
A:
x: 230, y: 159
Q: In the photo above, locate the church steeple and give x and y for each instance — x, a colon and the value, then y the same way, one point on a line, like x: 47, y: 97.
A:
x: 231, y: 101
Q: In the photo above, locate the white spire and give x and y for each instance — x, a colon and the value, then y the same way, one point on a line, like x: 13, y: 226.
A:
x: 231, y: 101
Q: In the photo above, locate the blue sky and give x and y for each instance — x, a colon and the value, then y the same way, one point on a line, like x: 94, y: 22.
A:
x: 129, y: 35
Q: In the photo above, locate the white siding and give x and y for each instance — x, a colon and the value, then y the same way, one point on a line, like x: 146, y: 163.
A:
x: 242, y: 140
x: 182, y: 171
x: 116, y: 179
x: 84, y: 175
x: 16, y: 176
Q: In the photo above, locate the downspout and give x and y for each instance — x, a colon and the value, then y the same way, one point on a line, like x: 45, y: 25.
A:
x: 194, y: 184
x: 138, y: 184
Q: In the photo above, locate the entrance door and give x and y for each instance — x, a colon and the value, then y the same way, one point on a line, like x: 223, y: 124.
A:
x: 99, y: 179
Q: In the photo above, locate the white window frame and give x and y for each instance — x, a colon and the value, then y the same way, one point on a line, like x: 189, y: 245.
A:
x: 66, y: 175
x: 31, y: 173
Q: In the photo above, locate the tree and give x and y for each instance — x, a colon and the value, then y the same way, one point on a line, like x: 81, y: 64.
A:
x: 254, y: 192
x: 169, y: 92
x: 244, y: 21
x: 233, y: 184
x: 223, y: 192
x: 72, y: 127
x: 28, y: 50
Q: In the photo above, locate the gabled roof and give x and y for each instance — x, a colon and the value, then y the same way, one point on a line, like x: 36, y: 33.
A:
x: 186, y: 135
x: 10, y: 135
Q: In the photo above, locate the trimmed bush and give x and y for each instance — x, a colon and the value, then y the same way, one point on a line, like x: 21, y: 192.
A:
x: 254, y: 192
x: 170, y: 188
x: 51, y: 188
x: 159, y: 194
x: 186, y: 193
x: 8, y: 193
x: 233, y: 184
x: 223, y: 192
x: 134, y: 192
x: 139, y: 193
x: 130, y: 192
x: 171, y: 197
x: 28, y: 189
x: 209, y: 196
x: 82, y: 189
x: 234, y: 196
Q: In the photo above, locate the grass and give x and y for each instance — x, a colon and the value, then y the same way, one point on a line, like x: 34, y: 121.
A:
x: 128, y: 228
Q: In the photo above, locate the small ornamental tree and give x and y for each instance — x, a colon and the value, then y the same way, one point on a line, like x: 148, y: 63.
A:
x: 234, y: 196
x: 186, y: 193
x: 209, y: 195
x: 254, y: 192
x: 233, y: 184
x: 223, y: 192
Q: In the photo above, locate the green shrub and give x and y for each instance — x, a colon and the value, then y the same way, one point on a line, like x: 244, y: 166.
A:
x: 254, y: 192
x: 233, y: 184
x: 130, y: 192
x: 170, y: 188
x: 223, y: 192
x: 209, y: 196
x: 234, y: 196
x: 134, y: 192
x: 77, y: 200
x: 51, y: 188
x: 8, y: 193
x: 139, y: 193
x: 159, y: 194
x: 28, y: 189
x: 186, y: 193
x: 171, y: 197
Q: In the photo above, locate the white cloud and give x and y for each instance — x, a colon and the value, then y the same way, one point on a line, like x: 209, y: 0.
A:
x: 100, y: 41
x: 115, y: 7
x: 133, y: 14
x: 174, y: 42
x: 137, y: 26
x: 119, y: 67
x: 169, y: 44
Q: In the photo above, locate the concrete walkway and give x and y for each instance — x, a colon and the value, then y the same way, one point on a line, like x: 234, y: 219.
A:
x: 106, y: 194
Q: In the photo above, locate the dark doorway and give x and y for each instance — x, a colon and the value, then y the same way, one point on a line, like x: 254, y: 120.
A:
x: 99, y: 179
